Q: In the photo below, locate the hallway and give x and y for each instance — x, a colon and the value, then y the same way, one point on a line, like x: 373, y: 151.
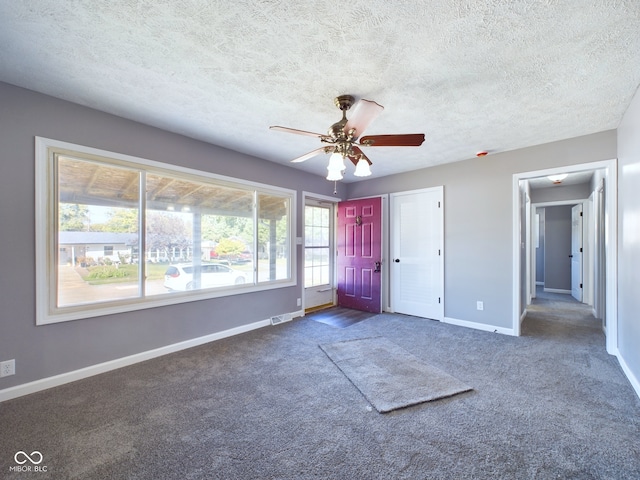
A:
x: 557, y: 315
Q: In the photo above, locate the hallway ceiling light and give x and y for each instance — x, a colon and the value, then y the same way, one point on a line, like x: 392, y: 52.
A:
x: 556, y: 179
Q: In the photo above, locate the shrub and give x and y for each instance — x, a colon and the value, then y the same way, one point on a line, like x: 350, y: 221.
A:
x: 106, y: 271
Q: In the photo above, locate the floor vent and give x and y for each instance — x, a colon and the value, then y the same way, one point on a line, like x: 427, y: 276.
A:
x: 281, y: 318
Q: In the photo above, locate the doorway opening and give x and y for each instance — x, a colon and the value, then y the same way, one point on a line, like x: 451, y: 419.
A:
x: 599, y: 275
x: 562, y: 254
x: 319, y: 255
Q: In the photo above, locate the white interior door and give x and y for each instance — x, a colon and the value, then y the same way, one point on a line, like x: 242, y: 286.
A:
x: 576, y: 252
x: 417, y: 266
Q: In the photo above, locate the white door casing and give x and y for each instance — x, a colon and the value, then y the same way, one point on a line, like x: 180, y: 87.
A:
x: 319, y: 293
x: 576, y: 252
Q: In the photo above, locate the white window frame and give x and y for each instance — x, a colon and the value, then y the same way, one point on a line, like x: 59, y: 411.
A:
x: 46, y: 269
x: 330, y: 243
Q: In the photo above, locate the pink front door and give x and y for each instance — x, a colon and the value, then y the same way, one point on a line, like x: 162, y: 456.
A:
x: 359, y: 254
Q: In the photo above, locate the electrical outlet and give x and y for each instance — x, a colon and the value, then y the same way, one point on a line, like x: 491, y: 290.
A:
x: 7, y: 368
x: 299, y: 302
x: 480, y: 305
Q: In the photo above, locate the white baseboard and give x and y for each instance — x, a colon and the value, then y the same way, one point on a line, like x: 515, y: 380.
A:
x: 479, y: 326
x: 557, y: 290
x: 56, y: 380
x: 627, y: 371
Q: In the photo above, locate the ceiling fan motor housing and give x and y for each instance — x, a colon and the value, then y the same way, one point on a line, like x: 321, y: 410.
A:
x: 344, y: 103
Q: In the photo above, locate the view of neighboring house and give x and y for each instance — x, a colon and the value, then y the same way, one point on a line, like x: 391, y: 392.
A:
x: 91, y: 248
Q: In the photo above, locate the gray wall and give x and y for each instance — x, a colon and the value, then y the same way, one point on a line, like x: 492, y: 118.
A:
x: 48, y: 350
x: 557, y: 248
x: 629, y: 238
x: 478, y: 217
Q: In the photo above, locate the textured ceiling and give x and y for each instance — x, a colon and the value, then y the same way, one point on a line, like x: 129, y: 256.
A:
x: 470, y: 74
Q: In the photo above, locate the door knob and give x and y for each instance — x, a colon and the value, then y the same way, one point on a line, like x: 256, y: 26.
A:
x: 397, y: 260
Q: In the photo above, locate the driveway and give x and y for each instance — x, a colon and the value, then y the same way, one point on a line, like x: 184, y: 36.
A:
x: 75, y: 291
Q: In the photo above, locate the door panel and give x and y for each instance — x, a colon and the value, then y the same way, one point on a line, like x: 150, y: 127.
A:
x: 359, y: 250
x: 417, y: 283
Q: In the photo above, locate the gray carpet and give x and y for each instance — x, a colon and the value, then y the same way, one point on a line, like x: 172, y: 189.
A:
x: 388, y: 376
x: 268, y: 404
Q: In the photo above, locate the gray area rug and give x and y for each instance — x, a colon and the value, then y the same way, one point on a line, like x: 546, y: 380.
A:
x: 388, y: 376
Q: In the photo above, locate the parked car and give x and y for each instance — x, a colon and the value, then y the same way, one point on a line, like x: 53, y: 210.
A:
x: 180, y: 277
x: 244, y: 257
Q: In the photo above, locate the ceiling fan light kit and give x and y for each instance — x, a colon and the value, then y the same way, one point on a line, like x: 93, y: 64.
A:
x: 362, y: 168
x: 342, y: 138
x: 336, y: 162
x: 336, y: 167
x: 334, y: 175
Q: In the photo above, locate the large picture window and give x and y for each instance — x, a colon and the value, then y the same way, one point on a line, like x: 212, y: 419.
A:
x: 117, y: 233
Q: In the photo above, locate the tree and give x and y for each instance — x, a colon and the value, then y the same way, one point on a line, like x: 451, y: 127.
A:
x: 122, y: 220
x: 219, y: 227
x: 166, y: 230
x: 73, y: 217
x: 229, y: 247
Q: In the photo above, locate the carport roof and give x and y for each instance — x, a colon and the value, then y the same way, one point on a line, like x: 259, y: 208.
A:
x: 93, y: 183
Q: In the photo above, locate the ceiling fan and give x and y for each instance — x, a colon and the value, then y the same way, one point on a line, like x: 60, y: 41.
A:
x: 343, y: 139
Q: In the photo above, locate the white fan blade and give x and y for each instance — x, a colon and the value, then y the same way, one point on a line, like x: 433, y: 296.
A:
x: 297, y: 132
x: 365, y: 112
x: 312, y: 154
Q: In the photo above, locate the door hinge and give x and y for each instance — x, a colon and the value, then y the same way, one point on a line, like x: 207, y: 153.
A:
x: 439, y: 252
x: 580, y: 249
x: 438, y: 204
x: 438, y: 299
x: 580, y: 213
x: 580, y: 285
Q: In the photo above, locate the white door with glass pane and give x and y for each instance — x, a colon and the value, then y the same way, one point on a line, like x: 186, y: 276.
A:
x: 318, y: 257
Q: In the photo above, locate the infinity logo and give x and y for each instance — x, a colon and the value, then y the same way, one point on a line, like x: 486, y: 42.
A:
x: 26, y: 457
